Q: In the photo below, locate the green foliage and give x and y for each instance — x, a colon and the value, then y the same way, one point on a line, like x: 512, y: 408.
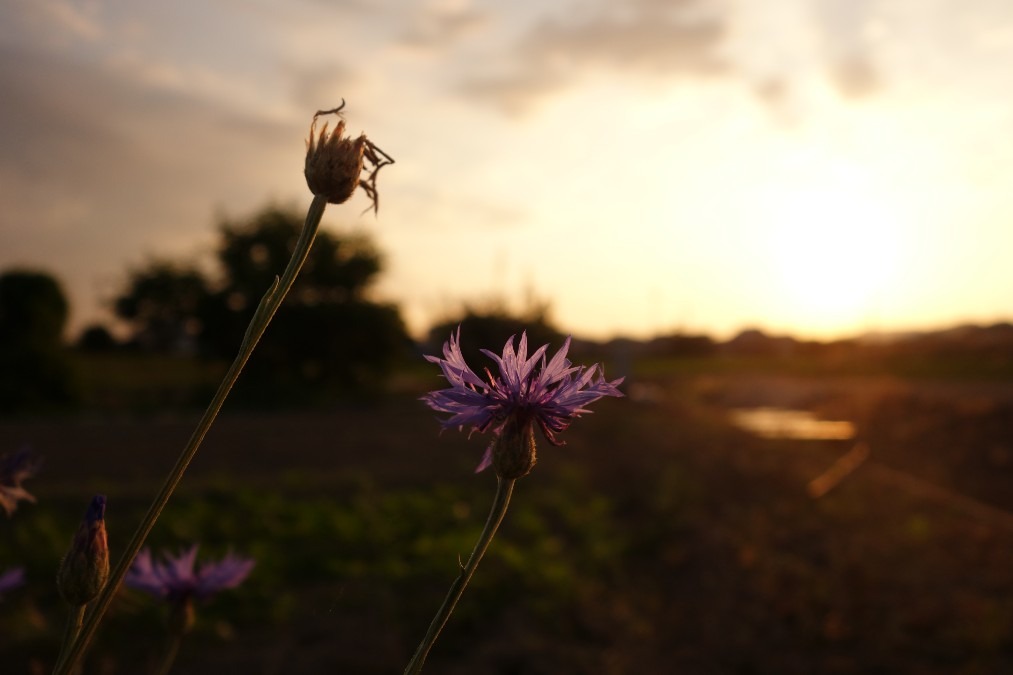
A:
x: 366, y: 532
x: 357, y: 550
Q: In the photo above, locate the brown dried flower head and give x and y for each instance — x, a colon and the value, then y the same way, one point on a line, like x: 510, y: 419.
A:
x: 335, y: 162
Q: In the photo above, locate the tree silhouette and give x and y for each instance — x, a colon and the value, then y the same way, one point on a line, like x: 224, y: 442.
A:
x: 163, y: 304
x: 327, y: 337
x: 34, y: 369
x: 490, y: 326
x: 96, y: 338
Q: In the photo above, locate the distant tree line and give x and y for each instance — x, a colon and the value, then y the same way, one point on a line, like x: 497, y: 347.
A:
x: 327, y: 337
x: 35, y: 371
x: 489, y: 325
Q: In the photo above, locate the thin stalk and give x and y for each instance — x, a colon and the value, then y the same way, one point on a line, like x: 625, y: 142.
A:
x: 265, y: 312
x: 169, y: 657
x: 71, y: 631
x: 504, y: 488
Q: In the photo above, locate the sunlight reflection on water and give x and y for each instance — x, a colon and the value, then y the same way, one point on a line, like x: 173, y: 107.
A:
x: 791, y: 424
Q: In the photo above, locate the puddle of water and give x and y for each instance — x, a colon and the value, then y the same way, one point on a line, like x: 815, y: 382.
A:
x: 784, y: 423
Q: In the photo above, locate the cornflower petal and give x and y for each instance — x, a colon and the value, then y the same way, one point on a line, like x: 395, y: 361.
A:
x: 10, y: 496
x: 527, y: 389
x: 11, y: 579
x: 143, y: 575
x: 227, y: 573
x: 14, y: 468
x: 180, y: 571
x: 177, y: 578
x: 558, y: 368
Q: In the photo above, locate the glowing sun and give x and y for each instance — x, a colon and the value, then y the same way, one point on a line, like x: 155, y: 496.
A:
x: 833, y: 250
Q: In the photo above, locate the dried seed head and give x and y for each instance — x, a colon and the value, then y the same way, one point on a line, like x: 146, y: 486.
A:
x: 335, y: 162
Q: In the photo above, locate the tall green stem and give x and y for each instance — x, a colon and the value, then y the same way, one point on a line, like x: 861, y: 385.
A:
x: 70, y: 633
x: 504, y: 488
x: 265, y: 312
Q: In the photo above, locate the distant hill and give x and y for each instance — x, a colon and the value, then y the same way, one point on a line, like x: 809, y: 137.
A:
x: 971, y: 350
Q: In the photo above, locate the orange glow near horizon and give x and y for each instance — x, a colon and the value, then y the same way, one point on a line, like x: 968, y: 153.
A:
x: 834, y: 249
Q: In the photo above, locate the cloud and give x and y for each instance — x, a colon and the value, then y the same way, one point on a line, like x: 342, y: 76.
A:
x: 648, y: 38
x: 54, y: 23
x: 855, y: 77
x: 442, y: 26
x: 319, y: 86
x: 98, y: 171
x: 845, y: 30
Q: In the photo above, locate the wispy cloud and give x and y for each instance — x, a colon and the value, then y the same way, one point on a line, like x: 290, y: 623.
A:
x: 55, y: 22
x: 647, y: 38
x: 846, y: 35
x: 442, y: 24
x: 96, y: 170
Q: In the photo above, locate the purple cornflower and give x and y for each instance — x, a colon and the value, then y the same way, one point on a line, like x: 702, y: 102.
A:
x: 527, y: 391
x: 14, y: 468
x: 177, y: 580
x: 11, y: 579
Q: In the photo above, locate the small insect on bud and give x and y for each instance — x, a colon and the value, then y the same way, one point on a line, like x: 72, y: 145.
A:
x: 335, y: 162
x: 85, y: 568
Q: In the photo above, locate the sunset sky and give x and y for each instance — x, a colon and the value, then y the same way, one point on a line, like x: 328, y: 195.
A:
x: 818, y: 167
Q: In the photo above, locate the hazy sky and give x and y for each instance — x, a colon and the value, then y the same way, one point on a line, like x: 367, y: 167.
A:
x: 815, y: 166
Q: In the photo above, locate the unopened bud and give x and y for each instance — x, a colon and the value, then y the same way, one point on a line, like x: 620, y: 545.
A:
x: 85, y: 568
x: 513, y: 452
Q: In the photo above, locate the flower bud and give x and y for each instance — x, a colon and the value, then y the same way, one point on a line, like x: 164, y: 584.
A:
x: 85, y: 569
x: 333, y: 162
x: 513, y: 451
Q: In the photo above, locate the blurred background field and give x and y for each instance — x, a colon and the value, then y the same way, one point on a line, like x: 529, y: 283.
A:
x: 661, y: 538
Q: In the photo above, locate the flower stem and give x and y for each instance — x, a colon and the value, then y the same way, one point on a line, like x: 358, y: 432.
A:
x: 70, y: 633
x: 170, y: 655
x: 504, y: 488
x: 258, y: 324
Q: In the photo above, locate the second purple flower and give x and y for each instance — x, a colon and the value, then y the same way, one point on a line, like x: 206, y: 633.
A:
x: 178, y: 577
